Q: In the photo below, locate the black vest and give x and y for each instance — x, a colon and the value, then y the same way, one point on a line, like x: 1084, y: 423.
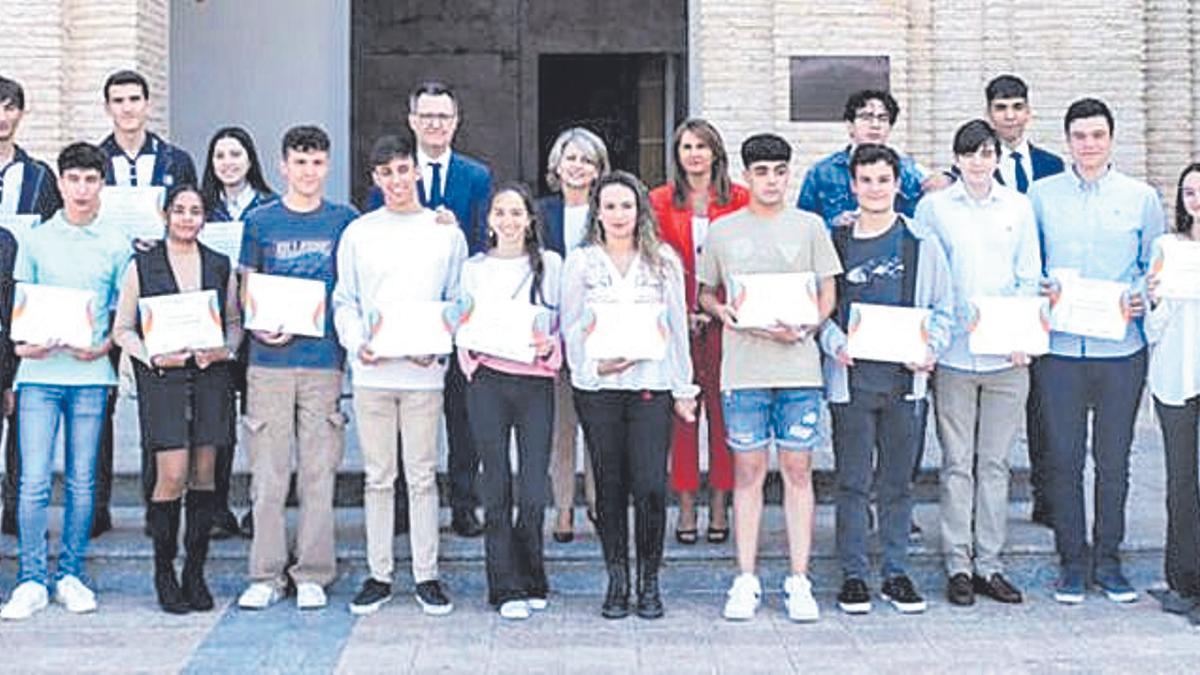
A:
x: 909, y: 248
x: 155, y: 276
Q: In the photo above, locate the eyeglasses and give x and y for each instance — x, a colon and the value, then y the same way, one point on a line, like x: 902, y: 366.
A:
x: 431, y: 118
x: 882, y: 118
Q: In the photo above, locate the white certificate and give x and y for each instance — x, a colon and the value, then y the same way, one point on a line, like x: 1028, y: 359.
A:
x: 762, y: 300
x: 888, y: 333
x: 280, y: 304
x: 20, y: 226
x: 137, y: 210
x: 1177, y: 265
x: 179, y: 321
x: 1089, y: 307
x: 43, y: 315
x: 502, y: 327
x: 224, y: 238
x: 411, y: 328
x: 1003, y: 325
x: 636, y: 331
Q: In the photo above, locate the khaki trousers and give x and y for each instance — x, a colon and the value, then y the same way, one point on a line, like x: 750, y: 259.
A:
x: 379, y: 413
x: 562, y: 454
x: 300, y: 404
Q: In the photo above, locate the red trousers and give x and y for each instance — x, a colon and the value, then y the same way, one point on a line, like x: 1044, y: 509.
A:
x: 685, y: 451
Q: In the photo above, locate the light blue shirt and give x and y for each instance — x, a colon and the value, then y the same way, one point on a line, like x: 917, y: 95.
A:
x: 992, y: 246
x: 1104, y: 229
x: 90, y: 257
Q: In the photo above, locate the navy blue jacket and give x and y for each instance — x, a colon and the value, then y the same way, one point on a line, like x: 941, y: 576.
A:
x: 8, y: 258
x: 172, y: 164
x: 220, y: 214
x: 39, y: 187
x: 468, y: 186
x: 1044, y: 163
x: 550, y: 212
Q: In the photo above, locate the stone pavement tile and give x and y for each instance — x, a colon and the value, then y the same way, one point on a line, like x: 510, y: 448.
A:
x: 754, y: 659
x: 360, y: 657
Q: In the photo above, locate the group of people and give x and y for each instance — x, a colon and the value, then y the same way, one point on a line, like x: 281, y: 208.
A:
x: 871, y: 226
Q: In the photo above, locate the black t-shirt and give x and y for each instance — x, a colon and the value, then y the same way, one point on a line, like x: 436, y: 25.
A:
x: 875, y: 274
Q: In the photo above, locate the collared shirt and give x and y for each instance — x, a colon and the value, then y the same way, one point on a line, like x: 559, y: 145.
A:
x: 237, y: 206
x: 1104, y: 229
x: 826, y: 190
x: 992, y: 247
x: 426, y: 164
x: 90, y: 257
x: 1008, y: 165
x: 157, y: 163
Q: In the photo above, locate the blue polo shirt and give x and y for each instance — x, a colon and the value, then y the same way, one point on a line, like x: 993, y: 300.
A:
x: 91, y: 257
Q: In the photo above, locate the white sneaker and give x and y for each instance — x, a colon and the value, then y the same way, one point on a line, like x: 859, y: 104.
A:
x: 743, y: 598
x: 27, y: 599
x: 801, y: 606
x: 72, y: 594
x: 310, y: 596
x: 259, y: 596
x: 538, y: 604
x: 515, y: 609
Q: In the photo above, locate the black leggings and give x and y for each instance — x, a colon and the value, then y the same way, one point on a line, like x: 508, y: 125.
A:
x: 1182, y: 555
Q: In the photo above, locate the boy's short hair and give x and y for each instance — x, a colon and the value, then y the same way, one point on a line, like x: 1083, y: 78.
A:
x: 872, y: 153
x: 391, y: 147
x: 431, y: 88
x: 12, y: 92
x: 765, y: 148
x: 126, y: 77
x: 305, y: 138
x: 859, y: 99
x: 82, y: 155
x: 1006, y: 86
x: 973, y: 135
x: 1088, y: 107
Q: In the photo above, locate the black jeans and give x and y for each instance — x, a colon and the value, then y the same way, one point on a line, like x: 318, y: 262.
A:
x: 1067, y: 389
x: 499, y: 403
x: 463, y: 459
x: 1035, y: 439
x: 12, y: 464
x: 1182, y: 557
x: 628, y: 436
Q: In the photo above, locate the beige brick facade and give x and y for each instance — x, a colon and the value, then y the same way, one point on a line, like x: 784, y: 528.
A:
x: 61, y: 51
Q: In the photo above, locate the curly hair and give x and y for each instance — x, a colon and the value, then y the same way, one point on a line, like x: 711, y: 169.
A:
x: 646, y: 237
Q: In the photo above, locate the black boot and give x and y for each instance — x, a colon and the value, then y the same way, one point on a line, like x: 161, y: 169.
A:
x: 650, y: 528
x: 163, y: 520
x: 616, y: 560
x: 195, y: 542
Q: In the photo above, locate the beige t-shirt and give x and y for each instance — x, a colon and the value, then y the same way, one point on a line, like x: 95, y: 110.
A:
x: 743, y: 243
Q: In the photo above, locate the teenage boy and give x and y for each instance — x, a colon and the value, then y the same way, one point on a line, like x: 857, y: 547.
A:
x: 27, y: 187
x: 294, y: 384
x: 398, y: 252
x: 770, y: 378
x: 990, y: 237
x: 1098, y: 222
x: 878, y: 408
x: 65, y: 385
x: 1021, y: 163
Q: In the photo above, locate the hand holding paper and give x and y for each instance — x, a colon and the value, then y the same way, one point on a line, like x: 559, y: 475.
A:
x: 888, y: 333
x: 767, y: 300
x: 633, y: 331
x: 181, y: 322
x: 51, y: 316
x: 282, y: 305
x: 1004, y: 325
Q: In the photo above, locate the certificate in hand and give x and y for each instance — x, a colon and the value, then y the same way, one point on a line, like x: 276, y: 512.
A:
x: 1177, y: 266
x: 888, y: 333
x: 762, y: 300
x: 19, y: 225
x: 1090, y: 307
x: 502, y: 327
x: 43, y: 315
x: 411, y: 328
x: 636, y: 331
x: 179, y: 321
x: 224, y: 238
x: 1002, y: 325
x: 138, y: 210
x: 280, y: 304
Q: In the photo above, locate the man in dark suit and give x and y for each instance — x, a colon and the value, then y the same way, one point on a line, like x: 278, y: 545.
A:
x: 1021, y: 163
x: 460, y: 184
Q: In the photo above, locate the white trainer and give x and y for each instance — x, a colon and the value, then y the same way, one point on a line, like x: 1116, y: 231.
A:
x: 310, y: 596
x: 27, y: 599
x: 516, y: 610
x: 801, y: 605
x: 72, y: 594
x: 538, y: 604
x: 259, y: 596
x: 743, y: 598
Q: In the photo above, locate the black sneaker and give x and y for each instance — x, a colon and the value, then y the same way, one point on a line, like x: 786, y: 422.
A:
x: 899, y: 591
x: 372, y: 596
x: 855, y: 597
x: 224, y: 526
x: 432, y: 600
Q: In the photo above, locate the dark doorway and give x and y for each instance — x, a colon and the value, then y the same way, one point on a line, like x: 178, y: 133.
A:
x: 621, y: 97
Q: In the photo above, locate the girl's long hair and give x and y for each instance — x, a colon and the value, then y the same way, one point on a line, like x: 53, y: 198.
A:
x: 211, y: 186
x: 1184, y: 220
x: 645, y: 233
x: 720, y: 164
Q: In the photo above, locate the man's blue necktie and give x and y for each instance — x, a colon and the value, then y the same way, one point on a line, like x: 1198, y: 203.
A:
x: 1022, y: 177
x: 435, y: 190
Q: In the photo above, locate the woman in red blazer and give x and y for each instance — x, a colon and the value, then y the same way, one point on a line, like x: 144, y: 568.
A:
x: 700, y: 193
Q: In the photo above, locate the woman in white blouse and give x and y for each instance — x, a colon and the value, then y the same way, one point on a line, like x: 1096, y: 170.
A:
x: 1173, y: 331
x: 625, y: 404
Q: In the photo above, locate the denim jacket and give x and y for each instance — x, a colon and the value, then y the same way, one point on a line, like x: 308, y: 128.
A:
x: 826, y: 190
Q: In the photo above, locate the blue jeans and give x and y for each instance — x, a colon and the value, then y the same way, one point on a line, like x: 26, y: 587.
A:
x: 755, y: 416
x: 40, y: 408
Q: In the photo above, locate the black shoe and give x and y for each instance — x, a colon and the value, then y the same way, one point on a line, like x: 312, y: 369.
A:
x: 997, y: 588
x: 199, y: 508
x: 616, y: 600
x: 1041, y: 515
x: 649, y: 600
x: 371, y: 597
x: 900, y: 591
x: 564, y: 537
x: 102, y: 522
x: 432, y: 600
x: 8, y: 521
x: 400, y: 523
x: 855, y: 597
x: 466, y: 524
x: 915, y: 533
x: 163, y: 520
x: 225, y: 526
x: 960, y: 591
x: 247, y: 525
x: 1194, y: 616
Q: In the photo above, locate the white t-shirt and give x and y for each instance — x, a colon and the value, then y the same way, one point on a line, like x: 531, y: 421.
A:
x: 574, y: 226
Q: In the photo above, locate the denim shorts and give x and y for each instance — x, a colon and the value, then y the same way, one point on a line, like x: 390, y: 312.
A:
x: 753, y: 417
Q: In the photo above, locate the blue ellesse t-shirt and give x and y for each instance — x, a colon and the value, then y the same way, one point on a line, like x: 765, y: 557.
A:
x: 280, y: 241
